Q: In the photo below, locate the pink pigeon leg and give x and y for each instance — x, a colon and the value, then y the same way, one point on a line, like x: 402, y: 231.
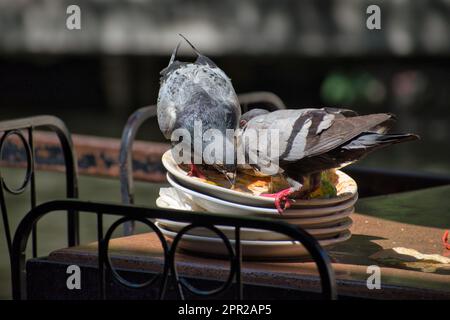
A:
x: 282, y: 200
x: 195, y: 172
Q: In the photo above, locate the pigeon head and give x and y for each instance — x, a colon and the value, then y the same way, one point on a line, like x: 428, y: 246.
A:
x: 246, y: 117
x: 193, y: 92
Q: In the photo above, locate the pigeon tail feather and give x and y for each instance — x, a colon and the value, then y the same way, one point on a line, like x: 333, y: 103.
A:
x: 375, y: 140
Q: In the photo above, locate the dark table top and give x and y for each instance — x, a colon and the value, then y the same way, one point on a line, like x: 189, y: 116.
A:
x: 414, y: 220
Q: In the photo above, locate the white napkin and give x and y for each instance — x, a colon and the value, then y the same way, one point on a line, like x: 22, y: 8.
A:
x: 173, y: 199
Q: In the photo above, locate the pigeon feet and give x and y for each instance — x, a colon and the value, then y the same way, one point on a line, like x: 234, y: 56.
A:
x: 195, y: 172
x: 282, y: 200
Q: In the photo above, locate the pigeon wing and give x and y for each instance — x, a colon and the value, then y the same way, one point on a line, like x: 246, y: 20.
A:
x: 341, y: 131
x: 309, y: 132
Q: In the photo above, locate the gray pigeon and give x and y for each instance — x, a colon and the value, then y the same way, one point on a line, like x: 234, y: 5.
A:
x: 191, y: 91
x: 313, y: 140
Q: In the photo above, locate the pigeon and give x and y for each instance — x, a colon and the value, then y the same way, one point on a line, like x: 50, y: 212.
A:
x: 311, y: 141
x: 196, y: 91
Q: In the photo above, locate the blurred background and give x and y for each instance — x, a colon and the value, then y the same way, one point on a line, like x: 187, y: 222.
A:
x: 310, y: 53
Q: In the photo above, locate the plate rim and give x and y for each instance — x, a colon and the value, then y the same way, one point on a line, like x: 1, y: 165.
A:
x: 346, y: 224
x: 312, y: 222
x: 343, y: 236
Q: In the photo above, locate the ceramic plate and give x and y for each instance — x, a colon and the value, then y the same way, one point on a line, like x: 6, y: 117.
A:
x: 255, y: 234
x: 255, y: 250
x: 174, y: 199
x: 216, y: 205
x: 346, y: 188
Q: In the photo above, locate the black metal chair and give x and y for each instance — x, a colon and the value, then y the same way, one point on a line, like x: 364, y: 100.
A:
x: 23, y: 130
x: 266, y: 100
x: 127, y: 214
x: 169, y: 274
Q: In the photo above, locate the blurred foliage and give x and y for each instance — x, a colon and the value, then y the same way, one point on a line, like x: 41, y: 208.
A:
x: 340, y: 88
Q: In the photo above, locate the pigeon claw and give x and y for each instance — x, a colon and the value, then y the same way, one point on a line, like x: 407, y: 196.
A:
x: 282, y: 200
x: 195, y: 172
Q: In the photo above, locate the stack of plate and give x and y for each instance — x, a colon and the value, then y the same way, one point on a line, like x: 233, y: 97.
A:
x: 326, y: 219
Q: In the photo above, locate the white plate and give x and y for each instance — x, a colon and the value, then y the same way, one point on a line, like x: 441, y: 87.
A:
x: 216, y: 205
x: 250, y: 249
x: 255, y: 234
x: 346, y: 188
x: 309, y: 222
x: 171, y: 198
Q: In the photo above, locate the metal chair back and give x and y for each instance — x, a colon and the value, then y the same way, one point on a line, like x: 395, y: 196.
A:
x: 22, y: 130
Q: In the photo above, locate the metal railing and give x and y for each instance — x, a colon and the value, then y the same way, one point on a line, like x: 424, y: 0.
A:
x: 22, y: 130
x: 169, y: 273
x: 267, y: 100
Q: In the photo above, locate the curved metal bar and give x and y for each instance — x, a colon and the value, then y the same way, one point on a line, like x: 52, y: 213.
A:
x: 116, y: 275
x: 29, y: 156
x: 183, y: 283
x: 264, y: 98
x: 17, y: 191
x: 18, y: 257
x: 56, y: 125
x: 238, y: 251
x: 126, y: 157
